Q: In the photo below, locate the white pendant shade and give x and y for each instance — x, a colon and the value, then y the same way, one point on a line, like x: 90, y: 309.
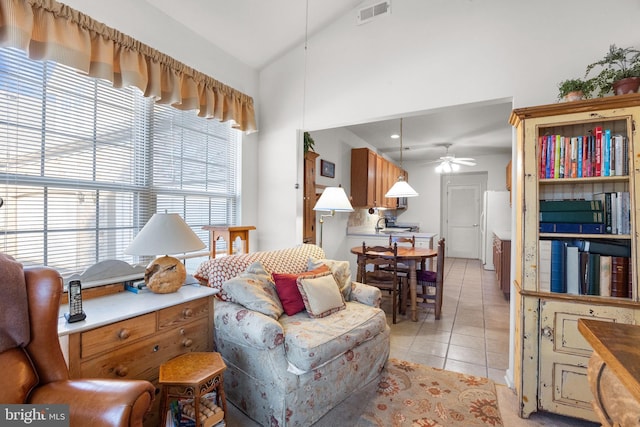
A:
x: 401, y: 189
x: 165, y: 233
x: 333, y: 199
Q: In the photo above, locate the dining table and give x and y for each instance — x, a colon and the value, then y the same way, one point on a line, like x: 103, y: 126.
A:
x: 411, y: 257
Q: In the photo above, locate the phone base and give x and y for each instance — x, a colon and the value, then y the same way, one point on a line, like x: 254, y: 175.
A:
x: 71, y: 318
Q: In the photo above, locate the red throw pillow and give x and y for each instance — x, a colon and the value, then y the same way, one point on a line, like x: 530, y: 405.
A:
x: 287, y: 288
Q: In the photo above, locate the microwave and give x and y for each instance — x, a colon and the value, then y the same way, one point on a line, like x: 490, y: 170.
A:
x: 402, y: 203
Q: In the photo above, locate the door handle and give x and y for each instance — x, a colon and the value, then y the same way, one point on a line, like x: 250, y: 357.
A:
x: 547, y: 332
x: 475, y: 225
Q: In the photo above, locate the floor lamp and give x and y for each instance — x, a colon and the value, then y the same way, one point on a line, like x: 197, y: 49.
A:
x: 332, y: 199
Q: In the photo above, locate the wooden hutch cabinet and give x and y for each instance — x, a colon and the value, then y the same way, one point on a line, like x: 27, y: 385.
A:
x: 551, y: 356
x: 309, y: 198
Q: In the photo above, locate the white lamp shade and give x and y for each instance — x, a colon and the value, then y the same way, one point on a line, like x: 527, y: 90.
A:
x: 401, y: 189
x: 333, y: 199
x: 165, y: 233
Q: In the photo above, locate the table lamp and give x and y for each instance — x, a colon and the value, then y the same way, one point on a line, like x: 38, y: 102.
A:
x: 165, y: 233
x: 332, y: 199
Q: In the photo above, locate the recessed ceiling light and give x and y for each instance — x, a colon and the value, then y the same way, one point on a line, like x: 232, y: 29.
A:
x: 395, y: 136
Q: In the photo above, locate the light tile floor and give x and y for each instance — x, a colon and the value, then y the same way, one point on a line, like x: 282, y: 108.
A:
x: 472, y: 336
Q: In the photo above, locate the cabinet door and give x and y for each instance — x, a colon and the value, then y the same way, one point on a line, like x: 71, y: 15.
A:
x: 564, y: 355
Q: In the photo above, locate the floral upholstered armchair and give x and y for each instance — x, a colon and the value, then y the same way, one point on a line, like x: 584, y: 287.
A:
x: 288, y: 367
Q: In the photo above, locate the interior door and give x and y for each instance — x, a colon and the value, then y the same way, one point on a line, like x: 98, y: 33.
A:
x: 462, y: 204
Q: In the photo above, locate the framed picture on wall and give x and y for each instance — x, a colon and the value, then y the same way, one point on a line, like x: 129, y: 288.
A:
x: 327, y: 169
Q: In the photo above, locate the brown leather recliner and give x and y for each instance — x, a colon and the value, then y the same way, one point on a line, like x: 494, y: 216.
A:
x: 38, y: 374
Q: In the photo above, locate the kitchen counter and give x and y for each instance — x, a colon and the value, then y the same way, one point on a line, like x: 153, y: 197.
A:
x: 502, y: 234
x: 370, y: 232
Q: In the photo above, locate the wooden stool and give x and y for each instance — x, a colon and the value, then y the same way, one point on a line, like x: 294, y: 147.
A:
x: 189, y: 377
x: 229, y: 235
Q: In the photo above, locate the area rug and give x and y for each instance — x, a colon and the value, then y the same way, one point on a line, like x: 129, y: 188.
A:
x: 411, y: 395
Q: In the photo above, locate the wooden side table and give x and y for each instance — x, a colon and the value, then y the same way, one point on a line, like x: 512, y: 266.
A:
x: 229, y: 235
x: 189, y: 377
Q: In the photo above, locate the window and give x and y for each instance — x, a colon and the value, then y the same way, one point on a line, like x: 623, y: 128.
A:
x: 83, y: 166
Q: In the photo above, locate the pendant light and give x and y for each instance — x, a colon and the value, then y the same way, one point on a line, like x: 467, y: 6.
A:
x: 401, y: 188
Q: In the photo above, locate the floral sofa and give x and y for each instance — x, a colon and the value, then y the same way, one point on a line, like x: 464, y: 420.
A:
x: 287, y: 370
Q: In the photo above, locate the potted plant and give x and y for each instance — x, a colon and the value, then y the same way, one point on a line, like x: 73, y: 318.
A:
x: 574, y: 89
x: 308, y: 142
x: 620, y: 71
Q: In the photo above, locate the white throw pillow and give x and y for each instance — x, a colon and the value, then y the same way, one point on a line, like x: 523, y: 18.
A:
x: 320, y: 294
x: 341, y: 272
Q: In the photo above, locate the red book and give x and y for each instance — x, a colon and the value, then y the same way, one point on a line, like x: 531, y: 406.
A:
x: 620, y: 277
x: 552, y: 145
x: 585, y: 156
x: 598, y: 134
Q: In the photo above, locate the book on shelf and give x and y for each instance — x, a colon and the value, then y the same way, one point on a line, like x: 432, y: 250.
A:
x: 558, y: 280
x: 582, y: 217
x: 620, y: 277
x: 597, y: 131
x: 570, y: 228
x: 623, y: 214
x: 605, y: 200
x: 592, y: 285
x: 606, y: 153
x: 573, y: 270
x: 570, y: 205
x: 605, y: 276
x: 609, y: 247
x: 544, y: 265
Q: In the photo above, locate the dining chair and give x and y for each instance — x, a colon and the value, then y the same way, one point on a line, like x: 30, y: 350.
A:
x: 430, y: 284
x: 382, y: 272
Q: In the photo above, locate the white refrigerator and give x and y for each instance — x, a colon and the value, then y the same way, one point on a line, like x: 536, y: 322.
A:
x: 496, y: 217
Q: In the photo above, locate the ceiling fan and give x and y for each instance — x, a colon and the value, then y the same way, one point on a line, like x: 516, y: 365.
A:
x: 450, y: 163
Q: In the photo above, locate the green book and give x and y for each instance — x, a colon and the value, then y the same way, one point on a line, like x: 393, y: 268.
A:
x: 574, y: 217
x: 570, y: 205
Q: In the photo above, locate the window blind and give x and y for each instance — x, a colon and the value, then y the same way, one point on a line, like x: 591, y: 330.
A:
x: 83, y: 166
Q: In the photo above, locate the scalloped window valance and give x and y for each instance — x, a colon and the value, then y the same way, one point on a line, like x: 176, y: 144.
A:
x: 48, y: 30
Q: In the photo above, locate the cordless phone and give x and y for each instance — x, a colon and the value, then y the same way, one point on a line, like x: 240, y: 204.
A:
x: 75, y: 303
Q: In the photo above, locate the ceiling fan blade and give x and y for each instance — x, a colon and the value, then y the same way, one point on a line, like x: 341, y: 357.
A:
x: 466, y: 162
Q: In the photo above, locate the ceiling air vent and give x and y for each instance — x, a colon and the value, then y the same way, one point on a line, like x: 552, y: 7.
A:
x: 369, y: 13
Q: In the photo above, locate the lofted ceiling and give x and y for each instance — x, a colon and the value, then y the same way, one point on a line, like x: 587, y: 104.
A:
x: 258, y: 32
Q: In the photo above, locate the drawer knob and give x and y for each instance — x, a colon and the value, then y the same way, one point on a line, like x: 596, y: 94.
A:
x: 187, y: 312
x: 188, y: 342
x: 121, y: 371
x: 124, y: 334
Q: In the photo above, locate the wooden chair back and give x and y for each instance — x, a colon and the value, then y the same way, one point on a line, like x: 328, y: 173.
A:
x: 383, y: 274
x: 430, y: 284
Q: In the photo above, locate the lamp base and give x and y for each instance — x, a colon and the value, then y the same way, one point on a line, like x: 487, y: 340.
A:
x: 165, y: 274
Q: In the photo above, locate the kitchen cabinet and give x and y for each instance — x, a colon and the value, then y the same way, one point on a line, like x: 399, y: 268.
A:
x: 371, y: 177
x: 502, y: 262
x: 309, y: 198
x: 551, y: 357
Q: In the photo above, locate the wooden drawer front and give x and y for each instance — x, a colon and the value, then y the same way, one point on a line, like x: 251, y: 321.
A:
x: 141, y: 359
x: 111, y: 337
x: 184, y: 313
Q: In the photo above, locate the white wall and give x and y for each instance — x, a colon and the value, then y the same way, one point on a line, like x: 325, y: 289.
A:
x: 425, y: 55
